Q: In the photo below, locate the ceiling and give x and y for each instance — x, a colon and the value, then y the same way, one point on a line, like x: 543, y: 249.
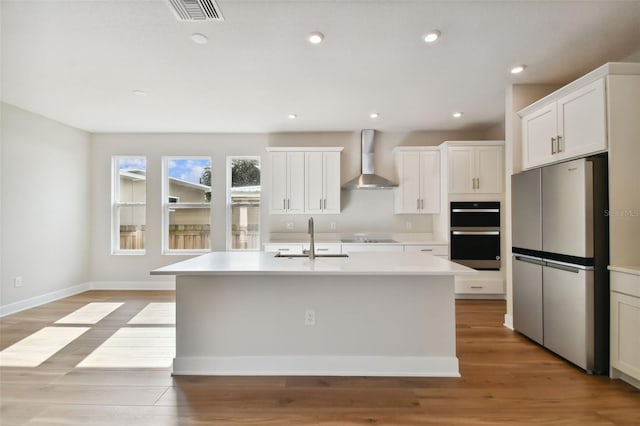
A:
x: 79, y: 62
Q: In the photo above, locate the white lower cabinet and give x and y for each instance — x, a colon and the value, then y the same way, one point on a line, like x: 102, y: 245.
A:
x: 355, y: 248
x: 625, y: 327
x: 436, y: 250
x: 284, y: 248
x: 325, y: 248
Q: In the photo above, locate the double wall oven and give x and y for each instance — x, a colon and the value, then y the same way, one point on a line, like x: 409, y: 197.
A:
x: 475, y: 234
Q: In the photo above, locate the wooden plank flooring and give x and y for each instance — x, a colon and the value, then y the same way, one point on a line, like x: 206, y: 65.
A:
x: 506, y: 379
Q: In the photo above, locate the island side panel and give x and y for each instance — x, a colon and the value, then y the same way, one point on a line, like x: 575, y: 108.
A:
x: 365, y: 325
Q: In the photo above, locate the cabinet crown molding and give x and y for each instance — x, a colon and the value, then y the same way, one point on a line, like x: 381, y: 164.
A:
x: 610, y: 68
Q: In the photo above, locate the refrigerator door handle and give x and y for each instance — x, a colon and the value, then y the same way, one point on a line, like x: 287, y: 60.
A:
x: 528, y: 259
x: 563, y: 267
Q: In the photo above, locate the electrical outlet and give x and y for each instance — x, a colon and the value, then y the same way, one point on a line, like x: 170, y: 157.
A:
x: 332, y: 225
x: 17, y: 282
x: 310, y: 317
x: 408, y: 225
x: 289, y: 225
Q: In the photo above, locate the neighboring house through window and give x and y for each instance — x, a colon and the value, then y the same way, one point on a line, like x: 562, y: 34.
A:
x: 243, y: 201
x: 128, y: 204
x: 186, y: 195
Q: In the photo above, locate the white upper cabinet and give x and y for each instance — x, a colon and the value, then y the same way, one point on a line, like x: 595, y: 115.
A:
x: 305, y: 180
x: 287, y: 182
x: 475, y: 169
x: 322, y: 174
x: 572, y: 126
x: 418, y: 172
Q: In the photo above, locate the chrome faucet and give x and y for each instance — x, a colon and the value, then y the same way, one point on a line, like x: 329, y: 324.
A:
x: 312, y: 245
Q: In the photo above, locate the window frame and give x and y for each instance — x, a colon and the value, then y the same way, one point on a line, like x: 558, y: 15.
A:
x: 116, y: 205
x: 228, y: 212
x: 167, y: 207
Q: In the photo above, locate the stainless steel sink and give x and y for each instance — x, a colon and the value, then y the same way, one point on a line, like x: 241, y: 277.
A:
x: 306, y: 255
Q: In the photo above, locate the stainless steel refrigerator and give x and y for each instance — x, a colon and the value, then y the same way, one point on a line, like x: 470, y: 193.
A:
x: 560, y: 256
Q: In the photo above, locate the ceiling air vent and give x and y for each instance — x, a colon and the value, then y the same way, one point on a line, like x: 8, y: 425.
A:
x: 196, y: 10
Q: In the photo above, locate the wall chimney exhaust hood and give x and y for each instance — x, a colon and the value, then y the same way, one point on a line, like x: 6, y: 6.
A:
x: 368, y: 179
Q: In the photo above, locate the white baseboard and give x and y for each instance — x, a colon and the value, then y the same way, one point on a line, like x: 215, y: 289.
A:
x: 33, y: 302
x: 508, y: 321
x: 399, y: 366
x: 133, y: 285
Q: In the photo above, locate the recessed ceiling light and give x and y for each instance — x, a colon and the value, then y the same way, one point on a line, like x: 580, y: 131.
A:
x: 518, y: 69
x: 457, y: 114
x: 374, y: 115
x: 315, y: 37
x: 140, y: 93
x: 199, y: 38
x: 292, y: 116
x: 431, y: 36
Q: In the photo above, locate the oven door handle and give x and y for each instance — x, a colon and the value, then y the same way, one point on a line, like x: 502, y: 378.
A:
x: 475, y: 232
x: 475, y: 210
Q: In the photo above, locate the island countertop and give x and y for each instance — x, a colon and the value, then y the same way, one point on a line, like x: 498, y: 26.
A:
x: 263, y: 263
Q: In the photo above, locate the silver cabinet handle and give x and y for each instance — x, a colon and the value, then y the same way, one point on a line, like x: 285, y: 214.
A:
x: 560, y: 144
x: 422, y: 203
x: 477, y: 286
x: 475, y: 232
x: 284, y: 204
x: 426, y: 249
x: 418, y: 204
x: 320, y: 203
x: 288, y: 204
x: 283, y: 249
x: 553, y: 146
x: 322, y: 249
x: 325, y: 203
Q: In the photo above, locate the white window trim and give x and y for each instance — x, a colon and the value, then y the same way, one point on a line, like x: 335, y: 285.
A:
x: 168, y: 207
x: 116, y: 205
x: 228, y: 202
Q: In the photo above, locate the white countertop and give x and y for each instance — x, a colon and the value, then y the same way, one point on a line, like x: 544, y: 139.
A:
x: 634, y: 270
x: 262, y: 263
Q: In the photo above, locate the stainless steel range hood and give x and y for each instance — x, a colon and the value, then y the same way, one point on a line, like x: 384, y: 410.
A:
x: 368, y: 179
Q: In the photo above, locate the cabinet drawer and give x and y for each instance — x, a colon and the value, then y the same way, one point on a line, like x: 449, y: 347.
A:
x: 355, y: 248
x: 284, y: 248
x: 625, y: 283
x: 436, y: 250
x: 325, y: 248
x: 479, y: 286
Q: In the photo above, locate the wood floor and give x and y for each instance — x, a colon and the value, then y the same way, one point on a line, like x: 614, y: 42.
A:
x: 505, y: 380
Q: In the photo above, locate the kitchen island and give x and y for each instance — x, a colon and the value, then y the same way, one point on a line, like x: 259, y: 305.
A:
x: 369, y: 314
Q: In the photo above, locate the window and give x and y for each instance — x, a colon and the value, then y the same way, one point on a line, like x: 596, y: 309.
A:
x: 243, y: 201
x: 186, y: 195
x: 128, y: 203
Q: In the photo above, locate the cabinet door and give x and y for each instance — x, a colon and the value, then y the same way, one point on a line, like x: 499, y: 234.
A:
x: 539, y: 137
x: 408, y: 191
x: 314, y: 182
x: 625, y: 338
x: 295, y: 182
x: 430, y: 182
x: 460, y: 162
x: 279, y: 197
x: 331, y: 181
x: 582, y: 121
x: 489, y: 169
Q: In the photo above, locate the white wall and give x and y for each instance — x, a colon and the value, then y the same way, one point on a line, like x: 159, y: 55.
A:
x: 361, y: 210
x: 45, y: 206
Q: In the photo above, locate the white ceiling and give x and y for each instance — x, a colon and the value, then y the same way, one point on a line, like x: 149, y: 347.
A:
x: 79, y: 61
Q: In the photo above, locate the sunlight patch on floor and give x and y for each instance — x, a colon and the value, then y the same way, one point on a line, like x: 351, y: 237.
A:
x: 40, y: 346
x: 156, y: 313
x: 91, y: 313
x: 139, y: 347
